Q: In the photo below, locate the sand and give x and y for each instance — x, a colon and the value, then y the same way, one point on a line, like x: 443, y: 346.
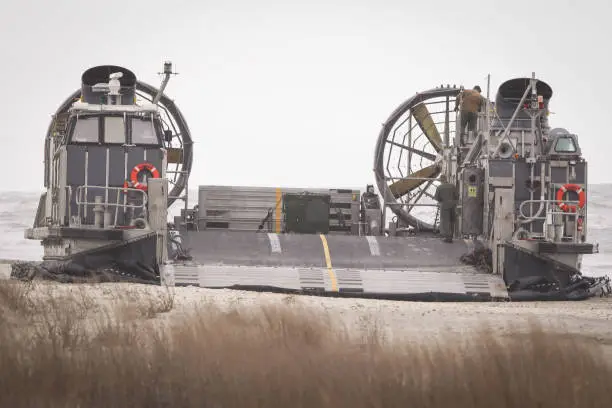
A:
x: 396, y: 320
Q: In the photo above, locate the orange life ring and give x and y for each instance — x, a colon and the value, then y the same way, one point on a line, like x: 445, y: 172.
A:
x: 572, y: 187
x: 136, y: 171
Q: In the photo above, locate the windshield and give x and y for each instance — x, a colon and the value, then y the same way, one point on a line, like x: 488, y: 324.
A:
x: 565, y: 145
x: 86, y: 130
x: 143, y: 132
x: 114, y: 130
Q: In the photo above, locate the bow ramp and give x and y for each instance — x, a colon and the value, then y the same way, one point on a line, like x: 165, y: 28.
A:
x: 341, y: 265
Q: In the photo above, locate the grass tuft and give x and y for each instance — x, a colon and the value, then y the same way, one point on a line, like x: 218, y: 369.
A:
x: 64, y: 348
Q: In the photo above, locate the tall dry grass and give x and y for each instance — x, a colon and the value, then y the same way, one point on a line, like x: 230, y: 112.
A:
x: 69, y: 350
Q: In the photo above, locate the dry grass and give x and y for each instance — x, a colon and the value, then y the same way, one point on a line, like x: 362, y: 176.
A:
x: 60, y: 349
x: 14, y: 296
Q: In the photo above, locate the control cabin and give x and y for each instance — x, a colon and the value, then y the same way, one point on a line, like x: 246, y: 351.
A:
x: 100, y: 154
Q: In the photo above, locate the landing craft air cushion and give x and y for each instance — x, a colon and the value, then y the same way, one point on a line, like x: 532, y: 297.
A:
x: 118, y: 155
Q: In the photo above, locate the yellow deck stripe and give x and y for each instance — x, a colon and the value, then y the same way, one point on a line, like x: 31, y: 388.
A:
x: 277, y: 213
x: 330, y: 270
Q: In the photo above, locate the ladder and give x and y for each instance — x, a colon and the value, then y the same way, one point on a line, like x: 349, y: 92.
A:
x: 60, y: 122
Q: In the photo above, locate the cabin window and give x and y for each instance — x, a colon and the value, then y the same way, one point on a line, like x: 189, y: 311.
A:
x: 86, y: 130
x: 143, y: 132
x: 565, y: 145
x: 114, y: 130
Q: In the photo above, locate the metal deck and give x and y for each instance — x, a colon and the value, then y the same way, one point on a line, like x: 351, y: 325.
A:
x: 383, y: 267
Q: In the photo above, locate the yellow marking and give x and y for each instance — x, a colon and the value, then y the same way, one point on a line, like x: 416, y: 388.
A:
x: 472, y: 191
x: 277, y: 214
x: 330, y: 270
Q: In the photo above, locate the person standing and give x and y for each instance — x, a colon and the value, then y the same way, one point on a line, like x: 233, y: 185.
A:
x: 469, y: 102
x: 447, y: 197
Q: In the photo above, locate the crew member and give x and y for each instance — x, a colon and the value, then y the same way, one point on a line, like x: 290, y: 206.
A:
x: 447, y: 197
x: 369, y: 201
x: 370, y: 198
x: 469, y: 102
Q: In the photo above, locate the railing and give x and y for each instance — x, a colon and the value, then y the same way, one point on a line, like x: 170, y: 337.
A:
x: 519, y: 123
x: 69, y: 190
x: 553, y: 219
x: 102, y: 205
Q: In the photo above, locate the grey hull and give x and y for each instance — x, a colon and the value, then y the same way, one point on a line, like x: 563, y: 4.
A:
x: 382, y: 267
x: 130, y: 260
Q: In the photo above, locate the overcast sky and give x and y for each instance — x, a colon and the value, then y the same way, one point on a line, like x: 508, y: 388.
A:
x: 293, y: 93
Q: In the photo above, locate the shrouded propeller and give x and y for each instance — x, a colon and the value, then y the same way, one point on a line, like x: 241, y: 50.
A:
x: 409, y: 151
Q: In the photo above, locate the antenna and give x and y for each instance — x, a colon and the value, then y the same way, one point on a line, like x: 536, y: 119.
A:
x: 167, y: 73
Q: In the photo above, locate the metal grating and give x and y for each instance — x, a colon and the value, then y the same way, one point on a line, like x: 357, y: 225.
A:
x: 349, y: 279
x: 311, y: 278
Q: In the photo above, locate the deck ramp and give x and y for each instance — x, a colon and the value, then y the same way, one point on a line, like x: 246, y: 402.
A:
x: 416, y: 268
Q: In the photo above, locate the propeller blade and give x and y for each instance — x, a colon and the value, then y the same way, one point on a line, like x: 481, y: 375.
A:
x: 421, y: 153
x: 427, y: 125
x: 403, y: 187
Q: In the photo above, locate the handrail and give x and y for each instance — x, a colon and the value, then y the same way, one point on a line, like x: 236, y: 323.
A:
x: 547, y: 203
x: 106, y: 203
x: 69, y: 188
x: 552, y: 213
x: 83, y: 203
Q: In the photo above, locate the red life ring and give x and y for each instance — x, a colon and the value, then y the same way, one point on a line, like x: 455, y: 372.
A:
x: 136, y: 171
x: 571, y: 187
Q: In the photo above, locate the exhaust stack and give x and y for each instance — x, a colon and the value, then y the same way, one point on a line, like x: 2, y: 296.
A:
x: 98, y: 85
x: 509, y: 95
